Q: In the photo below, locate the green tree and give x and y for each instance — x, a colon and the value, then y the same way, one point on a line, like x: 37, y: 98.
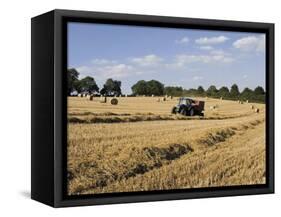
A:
x: 117, y: 88
x: 247, y: 94
x: 212, y: 91
x: 148, y: 88
x: 72, y: 78
x: 234, y: 91
x: 191, y: 92
x: 224, y: 92
x: 140, y: 88
x: 155, y: 87
x: 111, y: 87
x: 259, y: 90
x: 200, y: 91
x: 173, y: 91
x: 77, y: 86
x: 88, y: 84
x: 103, y: 91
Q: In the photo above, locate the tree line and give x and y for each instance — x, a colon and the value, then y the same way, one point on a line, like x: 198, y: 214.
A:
x: 255, y: 95
x: 153, y: 87
x: 156, y: 88
x: 89, y: 85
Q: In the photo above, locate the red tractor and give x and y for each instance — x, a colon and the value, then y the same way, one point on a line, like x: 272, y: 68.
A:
x: 189, y: 107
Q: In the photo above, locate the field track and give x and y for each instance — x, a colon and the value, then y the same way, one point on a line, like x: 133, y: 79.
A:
x: 226, y: 147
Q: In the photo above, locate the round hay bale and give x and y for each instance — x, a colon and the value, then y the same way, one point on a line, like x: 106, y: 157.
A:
x: 252, y: 107
x: 171, y: 97
x: 257, y: 110
x: 221, y: 98
x: 152, y: 95
x: 114, y: 101
x: 91, y: 97
x: 247, y: 101
x: 163, y: 99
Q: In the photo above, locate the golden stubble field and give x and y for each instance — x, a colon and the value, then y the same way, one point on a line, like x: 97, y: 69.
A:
x: 138, y: 145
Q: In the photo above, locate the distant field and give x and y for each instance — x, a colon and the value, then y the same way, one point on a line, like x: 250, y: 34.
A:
x: 138, y: 145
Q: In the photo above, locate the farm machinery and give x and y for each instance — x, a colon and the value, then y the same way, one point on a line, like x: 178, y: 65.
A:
x: 189, y: 107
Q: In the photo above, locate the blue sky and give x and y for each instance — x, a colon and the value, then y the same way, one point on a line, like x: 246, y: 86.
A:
x: 175, y: 57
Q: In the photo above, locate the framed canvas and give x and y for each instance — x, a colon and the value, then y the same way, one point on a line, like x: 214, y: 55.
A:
x: 134, y: 108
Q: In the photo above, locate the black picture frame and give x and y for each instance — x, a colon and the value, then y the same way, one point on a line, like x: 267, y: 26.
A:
x: 48, y: 146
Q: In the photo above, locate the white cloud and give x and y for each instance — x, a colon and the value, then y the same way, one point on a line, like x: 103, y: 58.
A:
x: 103, y: 61
x: 211, y: 40
x: 150, y: 64
x: 105, y: 71
x: 219, y: 52
x: 197, y: 78
x: 250, y: 43
x: 83, y: 69
x: 116, y: 71
x: 105, y: 68
x: 206, y: 47
x: 183, y: 59
x: 222, y: 55
x: 183, y: 40
x: 148, y: 60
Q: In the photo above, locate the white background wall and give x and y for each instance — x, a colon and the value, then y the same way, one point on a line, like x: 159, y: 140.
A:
x: 15, y: 106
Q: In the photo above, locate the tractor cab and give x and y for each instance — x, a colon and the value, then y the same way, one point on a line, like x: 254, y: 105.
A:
x: 185, y: 101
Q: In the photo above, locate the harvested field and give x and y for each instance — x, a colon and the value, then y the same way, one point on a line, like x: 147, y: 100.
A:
x: 137, y: 145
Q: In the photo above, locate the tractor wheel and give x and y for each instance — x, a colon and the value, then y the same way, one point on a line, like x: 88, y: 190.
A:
x: 191, y: 112
x: 174, y: 110
x: 183, y: 112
